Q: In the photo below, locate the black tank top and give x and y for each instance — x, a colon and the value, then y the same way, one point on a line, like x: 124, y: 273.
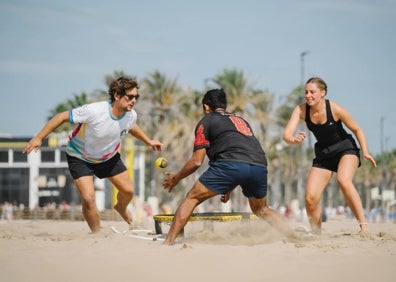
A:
x: 330, y: 132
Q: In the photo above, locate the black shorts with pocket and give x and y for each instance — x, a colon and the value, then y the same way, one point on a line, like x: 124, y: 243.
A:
x: 79, y: 168
x: 330, y: 156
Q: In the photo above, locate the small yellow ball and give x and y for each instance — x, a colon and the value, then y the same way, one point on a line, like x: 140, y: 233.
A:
x: 161, y: 163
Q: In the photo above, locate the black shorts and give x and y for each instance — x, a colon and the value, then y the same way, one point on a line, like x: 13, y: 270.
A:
x: 79, y: 168
x: 328, y: 157
x: 332, y: 163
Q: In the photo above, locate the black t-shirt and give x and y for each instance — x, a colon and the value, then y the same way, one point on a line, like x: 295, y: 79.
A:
x: 228, y: 137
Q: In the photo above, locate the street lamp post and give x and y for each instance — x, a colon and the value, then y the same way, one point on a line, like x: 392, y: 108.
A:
x: 302, y: 56
x: 382, y: 133
x: 382, y: 181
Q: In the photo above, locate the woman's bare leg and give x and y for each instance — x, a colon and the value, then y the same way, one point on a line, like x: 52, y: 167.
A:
x: 346, y: 171
x: 317, y: 181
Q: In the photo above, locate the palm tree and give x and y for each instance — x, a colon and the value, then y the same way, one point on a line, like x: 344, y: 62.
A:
x: 78, y: 100
x: 161, y: 116
x: 99, y: 94
x: 289, y: 157
x: 244, y: 99
x: 382, y: 177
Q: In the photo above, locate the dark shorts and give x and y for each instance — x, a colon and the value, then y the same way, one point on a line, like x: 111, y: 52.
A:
x: 221, y: 177
x: 332, y: 163
x: 79, y: 168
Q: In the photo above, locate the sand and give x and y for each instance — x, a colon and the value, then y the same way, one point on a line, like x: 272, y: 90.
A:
x: 45, y: 250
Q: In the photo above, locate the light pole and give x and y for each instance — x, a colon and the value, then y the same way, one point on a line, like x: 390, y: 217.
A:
x: 382, y: 181
x: 302, y: 56
x: 382, y: 133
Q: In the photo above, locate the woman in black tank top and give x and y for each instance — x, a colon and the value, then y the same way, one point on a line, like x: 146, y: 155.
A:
x: 335, y: 150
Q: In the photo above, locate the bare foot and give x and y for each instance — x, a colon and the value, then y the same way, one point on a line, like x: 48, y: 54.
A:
x: 224, y: 198
x: 364, y: 232
x: 316, y: 229
x: 125, y: 214
x: 166, y: 243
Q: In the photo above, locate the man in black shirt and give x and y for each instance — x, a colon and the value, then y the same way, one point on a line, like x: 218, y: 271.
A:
x: 235, y: 158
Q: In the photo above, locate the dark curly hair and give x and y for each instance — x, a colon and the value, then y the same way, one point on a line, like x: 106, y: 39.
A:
x: 120, y: 85
x: 215, y: 98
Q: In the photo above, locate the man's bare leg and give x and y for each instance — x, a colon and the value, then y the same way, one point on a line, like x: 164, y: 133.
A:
x: 194, y: 197
x: 85, y: 186
x: 125, y: 188
x: 262, y: 210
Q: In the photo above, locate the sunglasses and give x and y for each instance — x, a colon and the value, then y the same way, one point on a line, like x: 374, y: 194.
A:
x: 130, y: 97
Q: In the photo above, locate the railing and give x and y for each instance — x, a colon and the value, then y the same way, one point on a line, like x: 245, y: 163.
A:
x: 57, y: 214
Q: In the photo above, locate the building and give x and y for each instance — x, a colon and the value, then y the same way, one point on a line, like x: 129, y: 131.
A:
x: 43, y: 177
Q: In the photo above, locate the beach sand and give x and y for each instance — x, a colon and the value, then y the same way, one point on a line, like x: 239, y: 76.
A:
x: 44, y: 250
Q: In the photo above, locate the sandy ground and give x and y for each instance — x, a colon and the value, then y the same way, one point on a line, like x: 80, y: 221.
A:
x: 44, y: 250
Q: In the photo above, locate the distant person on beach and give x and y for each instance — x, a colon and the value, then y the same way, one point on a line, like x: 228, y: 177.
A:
x: 7, y: 211
x: 94, y: 143
x: 335, y: 150
x: 235, y: 158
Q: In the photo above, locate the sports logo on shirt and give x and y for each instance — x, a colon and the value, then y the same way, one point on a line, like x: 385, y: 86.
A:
x: 200, y: 137
x: 123, y: 133
x: 241, y: 125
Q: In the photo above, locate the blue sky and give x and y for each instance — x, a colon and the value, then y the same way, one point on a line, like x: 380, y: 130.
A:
x: 51, y: 50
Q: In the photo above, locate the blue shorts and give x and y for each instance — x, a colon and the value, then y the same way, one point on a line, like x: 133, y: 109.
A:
x: 78, y: 167
x: 221, y: 177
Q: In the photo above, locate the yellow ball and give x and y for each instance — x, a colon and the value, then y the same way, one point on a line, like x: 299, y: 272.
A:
x: 161, y: 163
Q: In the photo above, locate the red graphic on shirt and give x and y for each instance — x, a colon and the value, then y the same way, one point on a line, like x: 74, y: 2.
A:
x: 241, y: 125
x: 200, y: 137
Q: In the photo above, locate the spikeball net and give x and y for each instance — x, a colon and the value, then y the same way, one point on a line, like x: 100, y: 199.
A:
x: 206, y: 217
